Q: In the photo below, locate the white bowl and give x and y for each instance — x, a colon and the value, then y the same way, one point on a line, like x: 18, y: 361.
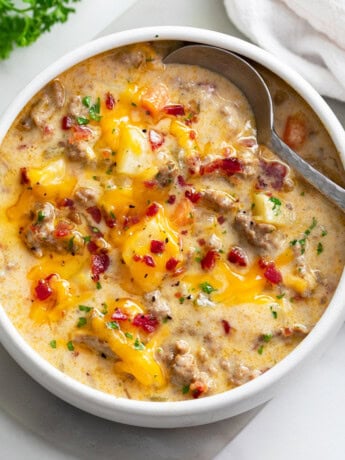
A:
x: 212, y: 408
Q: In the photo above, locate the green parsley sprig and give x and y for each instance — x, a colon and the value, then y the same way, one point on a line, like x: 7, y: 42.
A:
x: 21, y: 26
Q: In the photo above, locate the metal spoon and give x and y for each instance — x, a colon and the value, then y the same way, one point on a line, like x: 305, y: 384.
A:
x: 248, y: 80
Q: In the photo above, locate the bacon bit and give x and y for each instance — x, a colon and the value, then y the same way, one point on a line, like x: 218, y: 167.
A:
x: 157, y: 247
x: 197, y: 389
x: 181, y: 181
x: 24, y: 179
x: 201, y: 241
x: 171, y: 199
x: 192, y: 196
x: 128, y: 221
x: 209, y: 260
x: 95, y: 213
x: 171, y: 264
x: 109, y: 101
x: 110, y: 221
x: 137, y: 258
x: 156, y: 139
x: 99, y: 264
x: 174, y: 109
x: 148, y: 323
x: 92, y: 247
x: 184, y: 232
x: 295, y: 131
x: 226, y: 326
x: 150, y: 183
x: 287, y: 331
x: 66, y: 203
x: 228, y: 166
x: 149, y: 261
x: 62, y: 229
x: 66, y: 123
x: 271, y: 273
x: 43, y: 290
x: 192, y: 134
x: 152, y: 210
x: 221, y: 220
x: 238, y: 257
x: 274, y: 173
x: 80, y: 133
x: 119, y: 315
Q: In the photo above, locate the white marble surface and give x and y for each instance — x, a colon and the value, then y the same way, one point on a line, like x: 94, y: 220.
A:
x: 304, y: 421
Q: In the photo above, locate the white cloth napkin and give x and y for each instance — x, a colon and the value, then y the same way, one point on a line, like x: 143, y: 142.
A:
x: 309, y: 35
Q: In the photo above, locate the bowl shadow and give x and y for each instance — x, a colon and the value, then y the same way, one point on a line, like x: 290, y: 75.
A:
x: 81, y: 435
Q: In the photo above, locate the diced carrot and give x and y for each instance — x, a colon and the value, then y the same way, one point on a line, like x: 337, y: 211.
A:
x: 154, y: 98
x: 183, y: 213
x: 295, y: 131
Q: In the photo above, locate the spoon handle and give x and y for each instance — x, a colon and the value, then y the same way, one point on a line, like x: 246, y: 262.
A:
x: 332, y: 191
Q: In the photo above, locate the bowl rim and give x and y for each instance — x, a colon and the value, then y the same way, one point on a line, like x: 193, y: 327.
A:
x: 109, y: 406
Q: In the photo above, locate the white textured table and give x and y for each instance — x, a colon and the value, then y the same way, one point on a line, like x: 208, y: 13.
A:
x: 305, y: 421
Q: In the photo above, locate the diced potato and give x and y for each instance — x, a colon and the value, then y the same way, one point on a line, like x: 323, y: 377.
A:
x: 271, y: 210
x: 134, y: 157
x: 137, y: 246
x: 184, y: 138
x: 51, y: 182
x: 154, y: 98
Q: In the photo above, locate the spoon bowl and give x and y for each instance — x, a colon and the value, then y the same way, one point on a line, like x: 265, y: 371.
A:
x: 252, y: 85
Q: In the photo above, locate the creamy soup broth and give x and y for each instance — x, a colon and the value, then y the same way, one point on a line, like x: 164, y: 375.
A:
x: 151, y: 249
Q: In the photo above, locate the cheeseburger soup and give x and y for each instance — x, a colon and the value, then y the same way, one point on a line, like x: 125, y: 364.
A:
x: 150, y: 248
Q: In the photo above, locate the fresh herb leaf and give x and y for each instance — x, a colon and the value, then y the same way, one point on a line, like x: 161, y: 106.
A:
x: 53, y: 343
x: 86, y: 101
x: 181, y: 300
x: 185, y: 389
x: 274, y: 312
x: 261, y: 349
x: 267, y: 337
x: 85, y: 308
x: 95, y: 110
x: 280, y: 296
x: 87, y: 239
x: 207, y: 287
x: 82, y: 121
x: 21, y: 26
x: 324, y: 232
x: 40, y: 215
x: 81, y: 322
x: 105, y: 308
x: 71, y: 244
x: 276, y: 205
x: 70, y: 345
x: 138, y: 345
x: 129, y: 335
x: 113, y: 325
x: 98, y: 285
x: 319, y: 249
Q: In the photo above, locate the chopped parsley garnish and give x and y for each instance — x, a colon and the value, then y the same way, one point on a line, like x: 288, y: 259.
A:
x: 85, y: 308
x: 87, y: 239
x: 82, y: 121
x: 98, y: 285
x: 260, y: 349
x: 324, y: 232
x: 81, y: 322
x: 138, y: 345
x: 267, y: 337
x: 274, y: 312
x: 105, y: 308
x: 129, y: 335
x: 280, y: 296
x: 95, y: 110
x: 52, y: 343
x: 185, y: 389
x: 70, y: 345
x: 181, y: 300
x: 86, y: 101
x: 71, y: 244
x: 207, y: 287
x: 319, y: 249
x: 276, y: 204
x: 307, y: 232
x: 40, y: 217
x: 113, y: 325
